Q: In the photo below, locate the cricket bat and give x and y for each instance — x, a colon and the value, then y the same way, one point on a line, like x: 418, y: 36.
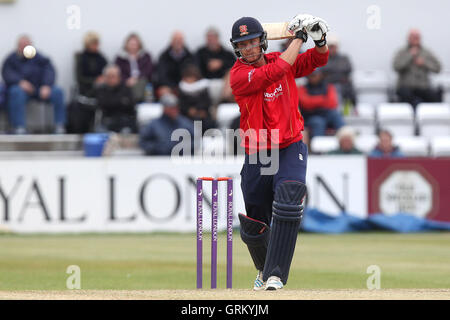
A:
x: 277, y: 30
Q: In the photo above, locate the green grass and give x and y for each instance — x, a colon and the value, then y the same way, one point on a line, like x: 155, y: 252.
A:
x: 167, y: 261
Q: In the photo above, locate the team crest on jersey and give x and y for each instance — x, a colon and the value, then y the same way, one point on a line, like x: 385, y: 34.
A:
x: 243, y: 30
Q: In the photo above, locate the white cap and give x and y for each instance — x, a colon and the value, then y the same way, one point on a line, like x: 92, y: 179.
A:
x: 346, y: 131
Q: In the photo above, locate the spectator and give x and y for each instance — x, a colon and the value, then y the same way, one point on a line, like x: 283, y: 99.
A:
x: 385, y: 148
x: 89, y: 65
x: 31, y: 78
x: 226, y: 94
x: 155, y: 138
x: 213, y: 59
x: 136, y: 66
x: 171, y: 63
x: 195, y: 102
x: 318, y: 105
x: 338, y: 72
x: 413, y: 65
x: 346, y: 138
x: 115, y: 100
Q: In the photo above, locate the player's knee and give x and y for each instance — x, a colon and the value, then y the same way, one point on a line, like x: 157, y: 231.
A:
x: 288, y: 201
x: 253, y: 232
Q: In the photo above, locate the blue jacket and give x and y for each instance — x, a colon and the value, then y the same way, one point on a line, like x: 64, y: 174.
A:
x: 377, y: 153
x: 155, y: 137
x: 38, y: 70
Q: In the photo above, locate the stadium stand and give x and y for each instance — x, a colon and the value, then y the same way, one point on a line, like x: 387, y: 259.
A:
x: 366, y: 143
x: 364, y: 119
x: 412, y: 146
x: 397, y: 118
x: 39, y: 116
x: 433, y: 119
x: 440, y: 146
x: 371, y: 86
x: 324, y: 144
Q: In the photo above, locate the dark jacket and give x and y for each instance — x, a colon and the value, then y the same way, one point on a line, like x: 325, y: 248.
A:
x: 170, y: 67
x: 203, y: 57
x: 116, y: 101
x: 155, y: 138
x: 198, y: 99
x: 338, y: 69
x: 144, y: 62
x: 88, y: 67
x: 38, y: 70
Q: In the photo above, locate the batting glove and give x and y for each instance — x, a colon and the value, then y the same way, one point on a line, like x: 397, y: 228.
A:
x: 317, y: 29
x: 296, y: 24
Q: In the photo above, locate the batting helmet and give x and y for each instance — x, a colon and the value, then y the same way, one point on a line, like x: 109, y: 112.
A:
x: 247, y: 28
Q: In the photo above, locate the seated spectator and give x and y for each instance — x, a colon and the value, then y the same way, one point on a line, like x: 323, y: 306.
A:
x: 195, y: 102
x: 89, y: 65
x: 155, y: 138
x: 385, y: 148
x: 171, y: 63
x: 346, y: 138
x: 318, y: 105
x: 213, y: 59
x: 136, y: 66
x: 413, y: 64
x: 338, y: 72
x: 115, y: 100
x: 31, y: 78
x: 226, y: 94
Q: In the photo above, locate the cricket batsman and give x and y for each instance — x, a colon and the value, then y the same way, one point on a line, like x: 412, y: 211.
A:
x: 265, y: 89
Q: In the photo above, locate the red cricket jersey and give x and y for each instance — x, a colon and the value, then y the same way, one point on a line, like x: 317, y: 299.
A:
x: 268, y: 99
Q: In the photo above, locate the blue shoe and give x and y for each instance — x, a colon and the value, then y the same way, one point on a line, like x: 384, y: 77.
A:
x: 259, y: 283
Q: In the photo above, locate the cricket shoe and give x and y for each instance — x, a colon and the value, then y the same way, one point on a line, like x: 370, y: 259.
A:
x: 259, y: 283
x: 274, y: 283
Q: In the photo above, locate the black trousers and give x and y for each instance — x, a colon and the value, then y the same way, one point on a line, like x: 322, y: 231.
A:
x: 416, y: 96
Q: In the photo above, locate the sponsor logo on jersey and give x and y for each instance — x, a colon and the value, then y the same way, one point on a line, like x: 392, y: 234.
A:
x: 271, y: 96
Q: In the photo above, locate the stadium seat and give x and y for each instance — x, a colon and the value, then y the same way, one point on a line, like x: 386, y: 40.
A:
x: 364, y: 120
x: 443, y: 80
x: 362, y: 125
x: 371, y: 86
x: 366, y: 143
x: 226, y: 113
x: 324, y: 144
x: 365, y: 110
x: 433, y: 119
x: 147, y: 112
x: 412, y: 146
x: 398, y: 118
x: 440, y: 146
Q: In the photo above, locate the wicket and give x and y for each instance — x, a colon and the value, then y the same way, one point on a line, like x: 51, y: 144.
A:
x: 214, y: 221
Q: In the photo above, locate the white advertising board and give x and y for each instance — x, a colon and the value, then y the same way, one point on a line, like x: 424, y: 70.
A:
x: 148, y: 194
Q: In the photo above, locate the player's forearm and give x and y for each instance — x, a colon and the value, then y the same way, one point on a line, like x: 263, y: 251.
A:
x: 291, y: 53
